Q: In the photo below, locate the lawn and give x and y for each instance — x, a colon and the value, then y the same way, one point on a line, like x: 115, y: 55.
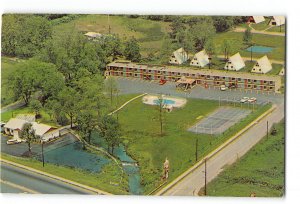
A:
x: 45, y: 117
x: 141, y: 130
x: 148, y: 33
x: 260, y: 171
x: 277, y: 29
x: 276, y: 42
x: 261, y: 26
x: 100, y: 180
x: 8, y: 65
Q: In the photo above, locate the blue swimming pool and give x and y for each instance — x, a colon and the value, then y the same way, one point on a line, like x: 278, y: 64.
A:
x: 259, y: 49
x: 165, y: 101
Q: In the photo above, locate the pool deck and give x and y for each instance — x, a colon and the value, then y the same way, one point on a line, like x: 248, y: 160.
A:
x: 178, y: 102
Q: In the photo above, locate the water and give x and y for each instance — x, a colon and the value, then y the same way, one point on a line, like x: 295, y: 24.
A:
x: 72, y: 155
x: 259, y: 49
x: 129, y: 165
x: 164, y: 101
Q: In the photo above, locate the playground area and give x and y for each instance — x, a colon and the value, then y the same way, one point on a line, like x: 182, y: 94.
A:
x: 219, y: 121
x: 166, y: 101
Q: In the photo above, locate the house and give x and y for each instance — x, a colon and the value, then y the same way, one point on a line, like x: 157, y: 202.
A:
x: 282, y: 72
x: 14, y: 126
x: 45, y: 132
x: 256, y: 19
x: 235, y: 63
x: 277, y: 20
x: 200, y: 59
x: 178, y: 57
x: 262, y: 66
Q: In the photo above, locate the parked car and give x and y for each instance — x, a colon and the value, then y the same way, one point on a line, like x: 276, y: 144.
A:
x: 223, y: 88
x: 162, y: 82
x: 244, y: 99
x: 252, y: 100
x: 13, y: 141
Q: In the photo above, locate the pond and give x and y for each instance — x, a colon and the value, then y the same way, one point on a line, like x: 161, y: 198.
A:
x: 68, y: 151
x: 259, y: 49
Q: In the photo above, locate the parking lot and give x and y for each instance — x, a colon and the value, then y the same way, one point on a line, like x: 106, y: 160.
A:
x: 219, y: 121
x: 133, y: 85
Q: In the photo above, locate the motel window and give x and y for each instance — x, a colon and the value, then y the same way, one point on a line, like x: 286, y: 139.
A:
x: 254, y: 80
x: 197, y: 62
x: 170, y: 60
x: 249, y: 80
x: 249, y: 86
x: 158, y: 77
x: 175, y: 60
x: 231, y: 66
x: 135, y: 69
x: 239, y: 79
x: 158, y: 71
x: 271, y: 82
x: 223, y: 77
x: 259, y: 70
x: 173, y: 57
x: 135, y: 74
x: 178, y: 73
x: 193, y: 74
x: 265, y: 87
x: 254, y: 86
x: 271, y: 87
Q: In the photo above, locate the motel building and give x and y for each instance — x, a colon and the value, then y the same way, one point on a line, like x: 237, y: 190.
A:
x: 207, y: 78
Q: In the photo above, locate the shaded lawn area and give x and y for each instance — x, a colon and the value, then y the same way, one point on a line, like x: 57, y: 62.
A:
x: 276, y: 42
x: 141, y: 129
x: 45, y: 117
x: 8, y: 65
x: 261, y: 26
x: 277, y: 29
x: 99, y: 180
x: 260, y: 171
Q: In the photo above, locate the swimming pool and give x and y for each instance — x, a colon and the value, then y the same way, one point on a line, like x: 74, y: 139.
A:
x: 259, y: 49
x: 164, y: 101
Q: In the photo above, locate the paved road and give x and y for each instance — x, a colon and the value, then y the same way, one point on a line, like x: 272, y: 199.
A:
x: 17, y: 180
x: 12, y: 106
x: 192, y: 183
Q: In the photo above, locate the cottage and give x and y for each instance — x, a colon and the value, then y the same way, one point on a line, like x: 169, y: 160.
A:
x: 262, y: 66
x: 45, y: 132
x: 14, y: 126
x: 235, y: 63
x: 200, y: 59
x: 277, y: 20
x: 256, y: 19
x: 282, y: 72
x: 178, y: 57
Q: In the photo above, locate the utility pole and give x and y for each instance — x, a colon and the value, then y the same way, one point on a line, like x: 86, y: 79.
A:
x: 205, y: 179
x: 196, y: 153
x: 43, y: 153
x: 267, y: 129
x: 109, y: 28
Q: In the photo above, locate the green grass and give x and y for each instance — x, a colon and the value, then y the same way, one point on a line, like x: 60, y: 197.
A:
x: 96, y: 180
x: 260, y: 171
x: 261, y: 26
x: 141, y: 129
x: 276, y: 42
x: 45, y: 117
x: 277, y: 29
x: 148, y: 33
x: 8, y: 65
x: 276, y: 69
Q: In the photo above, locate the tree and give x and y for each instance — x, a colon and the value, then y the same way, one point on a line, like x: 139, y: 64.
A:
x: 166, y: 49
x: 111, y: 88
x: 210, y: 50
x: 132, y: 50
x: 28, y: 134
x: 86, y: 123
x: 36, y: 106
x: 24, y: 35
x: 247, y: 38
x: 112, y: 46
x: 34, y: 76
x: 161, y: 104
x: 188, y: 42
x: 110, y: 129
x: 176, y: 26
x: 223, y: 23
x: 202, y: 31
x: 69, y: 99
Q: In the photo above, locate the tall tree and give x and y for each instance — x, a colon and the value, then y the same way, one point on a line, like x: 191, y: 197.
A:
x: 166, y: 49
x: 223, y: 23
x: 24, y: 35
x: 110, y: 129
x: 111, y: 88
x: 28, y: 134
x: 86, y: 123
x: 247, y: 37
x: 210, y: 50
x: 203, y: 31
x: 132, y: 50
x: 36, y: 106
x: 161, y: 104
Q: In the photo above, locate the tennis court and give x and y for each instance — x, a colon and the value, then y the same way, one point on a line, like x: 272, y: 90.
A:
x: 219, y: 121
